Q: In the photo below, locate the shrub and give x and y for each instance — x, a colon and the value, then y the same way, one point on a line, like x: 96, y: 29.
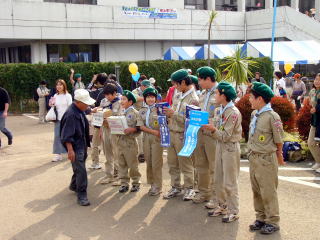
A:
x: 244, y: 107
x: 304, y: 119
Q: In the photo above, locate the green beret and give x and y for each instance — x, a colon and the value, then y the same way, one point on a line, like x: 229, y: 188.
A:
x: 228, y: 90
x: 262, y: 89
x: 150, y: 90
x: 77, y: 75
x: 146, y: 83
x: 179, y: 75
x: 194, y: 79
x: 129, y: 95
x: 204, y: 72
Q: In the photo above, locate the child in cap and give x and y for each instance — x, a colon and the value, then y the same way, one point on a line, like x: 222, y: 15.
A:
x: 127, y: 146
x: 148, y: 123
x: 265, y: 153
x: 228, y: 132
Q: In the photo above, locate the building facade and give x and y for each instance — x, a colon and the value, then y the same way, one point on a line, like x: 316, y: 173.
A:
x: 46, y: 31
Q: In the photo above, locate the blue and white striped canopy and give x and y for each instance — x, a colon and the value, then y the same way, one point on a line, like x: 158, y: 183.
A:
x: 294, y: 52
x: 220, y: 50
x: 182, y: 53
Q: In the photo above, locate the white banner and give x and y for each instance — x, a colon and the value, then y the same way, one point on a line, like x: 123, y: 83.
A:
x: 145, y: 12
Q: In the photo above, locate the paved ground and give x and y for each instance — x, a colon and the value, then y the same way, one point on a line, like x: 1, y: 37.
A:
x: 36, y: 203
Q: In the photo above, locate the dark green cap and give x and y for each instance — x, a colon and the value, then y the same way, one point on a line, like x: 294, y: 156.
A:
x: 146, y: 83
x: 129, y: 95
x: 77, y: 75
x: 262, y: 89
x: 205, y: 72
x: 150, y: 90
x: 228, y: 90
x: 194, y: 79
x: 179, y: 75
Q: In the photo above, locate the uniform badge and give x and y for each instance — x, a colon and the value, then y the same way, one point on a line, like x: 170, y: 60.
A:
x: 262, y: 138
x: 155, y: 123
x: 129, y: 116
x: 221, y: 128
x: 212, y: 108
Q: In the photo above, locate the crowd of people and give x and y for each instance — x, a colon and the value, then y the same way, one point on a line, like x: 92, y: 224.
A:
x: 210, y: 175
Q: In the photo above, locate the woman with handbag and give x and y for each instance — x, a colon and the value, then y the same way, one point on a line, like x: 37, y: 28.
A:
x: 60, y: 103
x: 299, y: 90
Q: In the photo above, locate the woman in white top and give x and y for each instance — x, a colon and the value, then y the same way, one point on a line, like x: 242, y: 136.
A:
x: 61, y: 100
x: 279, y: 85
x: 42, y: 92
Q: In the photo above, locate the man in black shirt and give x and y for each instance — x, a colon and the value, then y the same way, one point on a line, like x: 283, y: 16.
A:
x: 74, y: 132
x: 4, y: 106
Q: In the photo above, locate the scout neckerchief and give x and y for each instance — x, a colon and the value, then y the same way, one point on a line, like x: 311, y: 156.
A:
x: 126, y: 110
x: 112, y: 102
x: 148, y: 114
x: 223, y: 109
x: 183, y: 96
x: 253, y: 123
x: 207, y: 97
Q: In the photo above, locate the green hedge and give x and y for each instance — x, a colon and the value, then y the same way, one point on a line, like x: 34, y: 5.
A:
x: 21, y: 79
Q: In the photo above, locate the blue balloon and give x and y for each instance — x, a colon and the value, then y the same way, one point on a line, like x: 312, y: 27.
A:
x: 136, y: 76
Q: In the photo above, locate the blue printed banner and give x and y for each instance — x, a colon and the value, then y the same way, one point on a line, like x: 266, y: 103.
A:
x: 164, y: 131
x: 146, y: 12
x: 160, y: 107
x: 197, y: 119
x: 189, y: 108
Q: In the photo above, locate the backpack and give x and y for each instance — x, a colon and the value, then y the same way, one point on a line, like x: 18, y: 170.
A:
x: 35, y: 95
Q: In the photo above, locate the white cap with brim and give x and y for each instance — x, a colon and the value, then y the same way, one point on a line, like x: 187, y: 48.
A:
x: 83, y: 96
x: 152, y: 80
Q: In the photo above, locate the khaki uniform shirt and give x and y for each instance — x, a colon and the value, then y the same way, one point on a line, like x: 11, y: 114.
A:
x: 268, y: 133
x: 132, y: 116
x: 153, y: 118
x: 228, y: 125
x: 138, y: 93
x: 115, y: 108
x: 177, y: 120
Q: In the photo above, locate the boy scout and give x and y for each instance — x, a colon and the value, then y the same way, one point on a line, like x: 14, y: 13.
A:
x: 265, y: 153
x: 112, y: 102
x: 138, y: 93
x: 127, y: 146
x: 176, y: 116
x: 205, y: 151
x: 148, y: 122
x: 228, y: 132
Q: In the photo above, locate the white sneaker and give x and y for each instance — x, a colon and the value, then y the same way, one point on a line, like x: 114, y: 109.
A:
x: 173, y: 192
x: 318, y: 170
x: 316, y: 166
x: 57, y: 158
x: 95, y: 166
x: 317, y: 139
x: 189, y: 194
x: 230, y: 218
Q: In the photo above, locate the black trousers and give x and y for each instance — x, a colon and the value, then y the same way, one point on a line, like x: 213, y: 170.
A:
x: 79, y: 180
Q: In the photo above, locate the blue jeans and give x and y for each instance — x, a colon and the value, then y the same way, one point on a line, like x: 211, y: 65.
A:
x: 57, y: 145
x: 3, y: 128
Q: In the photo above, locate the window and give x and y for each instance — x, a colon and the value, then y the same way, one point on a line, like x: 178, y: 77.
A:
x: 226, y: 5
x: 281, y: 3
x: 195, y: 4
x: 73, y: 53
x: 91, y: 2
x: 3, y: 57
x: 20, y: 54
x: 252, y: 5
x: 143, y: 3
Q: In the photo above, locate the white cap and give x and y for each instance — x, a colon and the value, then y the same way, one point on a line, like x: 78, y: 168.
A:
x: 152, y: 80
x: 83, y: 96
x: 189, y: 70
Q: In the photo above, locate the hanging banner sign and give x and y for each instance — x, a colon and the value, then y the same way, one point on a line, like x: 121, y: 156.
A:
x: 189, y: 108
x: 162, y: 120
x: 145, y: 12
x: 197, y: 119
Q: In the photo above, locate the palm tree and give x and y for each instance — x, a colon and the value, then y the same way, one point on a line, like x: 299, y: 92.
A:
x: 238, y: 67
x: 212, y: 17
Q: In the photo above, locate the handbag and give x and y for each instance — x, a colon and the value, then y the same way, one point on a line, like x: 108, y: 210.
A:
x: 52, y: 114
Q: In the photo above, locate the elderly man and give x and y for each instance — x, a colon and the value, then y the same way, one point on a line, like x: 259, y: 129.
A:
x: 4, y: 106
x: 74, y: 132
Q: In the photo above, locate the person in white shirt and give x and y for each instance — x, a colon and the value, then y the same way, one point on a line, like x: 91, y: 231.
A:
x: 61, y: 100
x: 42, y: 92
x: 279, y: 85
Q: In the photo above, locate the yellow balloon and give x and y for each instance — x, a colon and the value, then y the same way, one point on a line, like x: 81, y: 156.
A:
x: 287, y: 67
x: 133, y: 68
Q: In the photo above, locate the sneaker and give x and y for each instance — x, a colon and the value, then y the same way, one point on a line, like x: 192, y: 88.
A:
x: 57, y: 158
x: 173, y: 192
x: 135, y: 188
x: 106, y: 180
x: 257, y: 225
x: 317, y: 139
x: 95, y: 166
x: 189, y: 194
x: 123, y: 189
x: 316, y: 166
x: 230, y: 218
x: 72, y: 188
x: 318, y: 170
x: 141, y: 158
x: 83, y: 202
x: 154, y: 191
x: 220, y: 210
x: 269, y: 229
x: 199, y: 198
x: 210, y: 205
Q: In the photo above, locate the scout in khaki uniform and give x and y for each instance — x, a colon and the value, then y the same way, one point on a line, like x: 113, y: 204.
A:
x: 127, y: 146
x: 206, y: 147
x: 138, y: 93
x: 265, y: 153
x: 177, y: 115
x: 228, y: 132
x: 112, y: 102
x: 148, y: 123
